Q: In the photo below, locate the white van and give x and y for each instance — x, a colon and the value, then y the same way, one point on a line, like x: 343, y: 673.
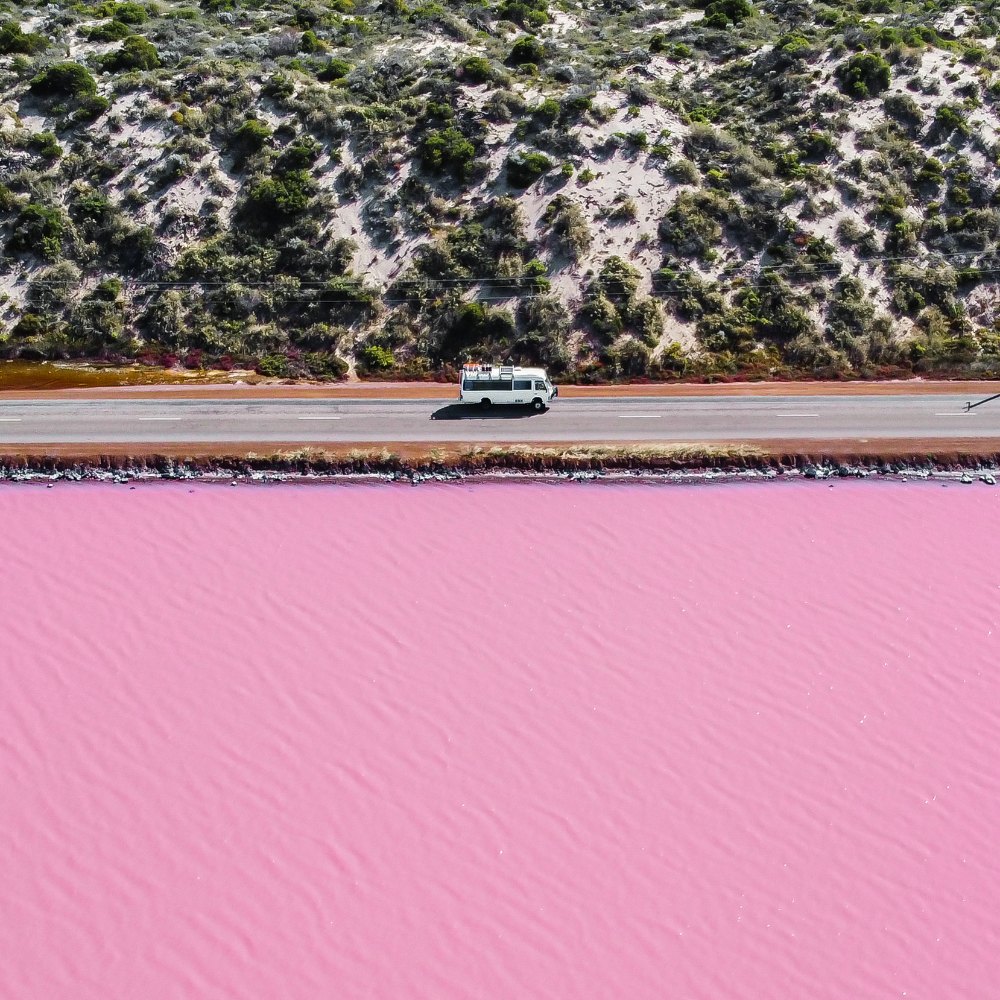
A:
x: 489, y: 384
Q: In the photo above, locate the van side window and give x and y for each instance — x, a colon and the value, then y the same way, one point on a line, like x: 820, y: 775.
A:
x: 540, y: 387
x: 523, y: 385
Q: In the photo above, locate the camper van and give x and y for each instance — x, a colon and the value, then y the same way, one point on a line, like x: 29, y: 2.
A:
x: 487, y: 385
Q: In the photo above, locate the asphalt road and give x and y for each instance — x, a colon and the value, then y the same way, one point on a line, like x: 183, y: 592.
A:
x: 605, y: 419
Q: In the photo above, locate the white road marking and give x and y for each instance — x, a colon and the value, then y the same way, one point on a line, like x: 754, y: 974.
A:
x: 798, y: 414
x: 157, y: 418
x: 319, y: 418
x: 638, y: 416
x: 10, y: 420
x: 952, y: 413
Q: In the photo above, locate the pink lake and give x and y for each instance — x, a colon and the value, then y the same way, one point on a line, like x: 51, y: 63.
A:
x: 500, y: 741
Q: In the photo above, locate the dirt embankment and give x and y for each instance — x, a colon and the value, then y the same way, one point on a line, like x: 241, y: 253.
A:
x: 458, y: 458
x: 434, y: 390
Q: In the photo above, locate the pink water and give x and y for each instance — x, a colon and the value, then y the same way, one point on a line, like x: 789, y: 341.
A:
x: 500, y: 741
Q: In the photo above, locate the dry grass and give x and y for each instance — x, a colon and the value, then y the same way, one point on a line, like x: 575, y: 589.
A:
x: 632, y: 454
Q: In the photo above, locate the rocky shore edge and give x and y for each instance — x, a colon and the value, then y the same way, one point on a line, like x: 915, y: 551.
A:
x: 674, y: 463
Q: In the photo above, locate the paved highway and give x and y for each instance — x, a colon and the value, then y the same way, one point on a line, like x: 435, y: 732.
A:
x: 638, y: 418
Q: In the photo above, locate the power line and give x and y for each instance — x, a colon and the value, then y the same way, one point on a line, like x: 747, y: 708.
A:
x: 427, y: 289
x: 801, y: 267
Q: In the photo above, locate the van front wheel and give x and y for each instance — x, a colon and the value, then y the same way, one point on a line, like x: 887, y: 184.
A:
x: 537, y: 405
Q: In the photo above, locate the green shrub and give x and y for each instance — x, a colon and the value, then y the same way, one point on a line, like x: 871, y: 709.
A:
x: 335, y: 69
x: 816, y: 144
x: 65, y: 79
x: 477, y: 69
x: 547, y: 112
x: 904, y: 109
x: 14, y: 41
x: 932, y: 172
x: 280, y: 86
x: 683, y: 171
x: 523, y: 169
x: 602, y: 316
x: 693, y: 223
x: 272, y: 366
x: 325, y: 365
x: 310, y: 42
x: 568, y: 224
x: 46, y: 145
x: 299, y: 155
x: 793, y: 46
x: 108, y: 31
x: 476, y: 329
x: 618, y: 280
x: 127, y: 13
x: 376, y: 358
x: 864, y: 74
x: 526, y: 13
x: 646, y: 316
x: 251, y: 137
x: 136, y: 53
x: 278, y: 200
x: 109, y: 290
x: 39, y: 229
x: 721, y: 13
x: 31, y: 325
x: 448, y: 149
x: 526, y: 50
x: 948, y: 118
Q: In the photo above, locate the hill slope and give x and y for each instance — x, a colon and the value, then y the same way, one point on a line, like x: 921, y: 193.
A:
x: 615, y: 190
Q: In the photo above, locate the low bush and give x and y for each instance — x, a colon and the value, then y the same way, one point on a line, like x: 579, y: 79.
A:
x: 65, y: 79
x: 39, y: 229
x: 523, y: 169
x: 448, y: 149
x: 475, y: 330
x: 46, y: 145
x: 376, y: 358
x: 904, y: 109
x: 568, y: 225
x: 276, y: 201
x: 477, y: 69
x: 693, y: 224
x: 14, y: 41
x: 722, y: 13
x: 529, y: 14
x: 136, y: 53
x: 108, y: 31
x: 250, y: 137
x: 865, y: 74
x: 334, y: 69
x: 127, y: 13
x: 527, y: 50
x: 949, y: 118
x: 272, y: 366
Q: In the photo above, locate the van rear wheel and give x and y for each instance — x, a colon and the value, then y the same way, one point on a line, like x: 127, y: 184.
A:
x: 485, y: 402
x: 537, y: 405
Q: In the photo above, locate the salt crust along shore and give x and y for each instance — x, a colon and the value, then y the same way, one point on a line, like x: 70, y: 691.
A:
x: 895, y: 473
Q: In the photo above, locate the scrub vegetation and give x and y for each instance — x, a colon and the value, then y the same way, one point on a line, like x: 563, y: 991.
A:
x: 387, y: 188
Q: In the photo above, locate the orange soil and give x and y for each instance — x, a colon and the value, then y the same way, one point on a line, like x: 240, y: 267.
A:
x: 432, y: 390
